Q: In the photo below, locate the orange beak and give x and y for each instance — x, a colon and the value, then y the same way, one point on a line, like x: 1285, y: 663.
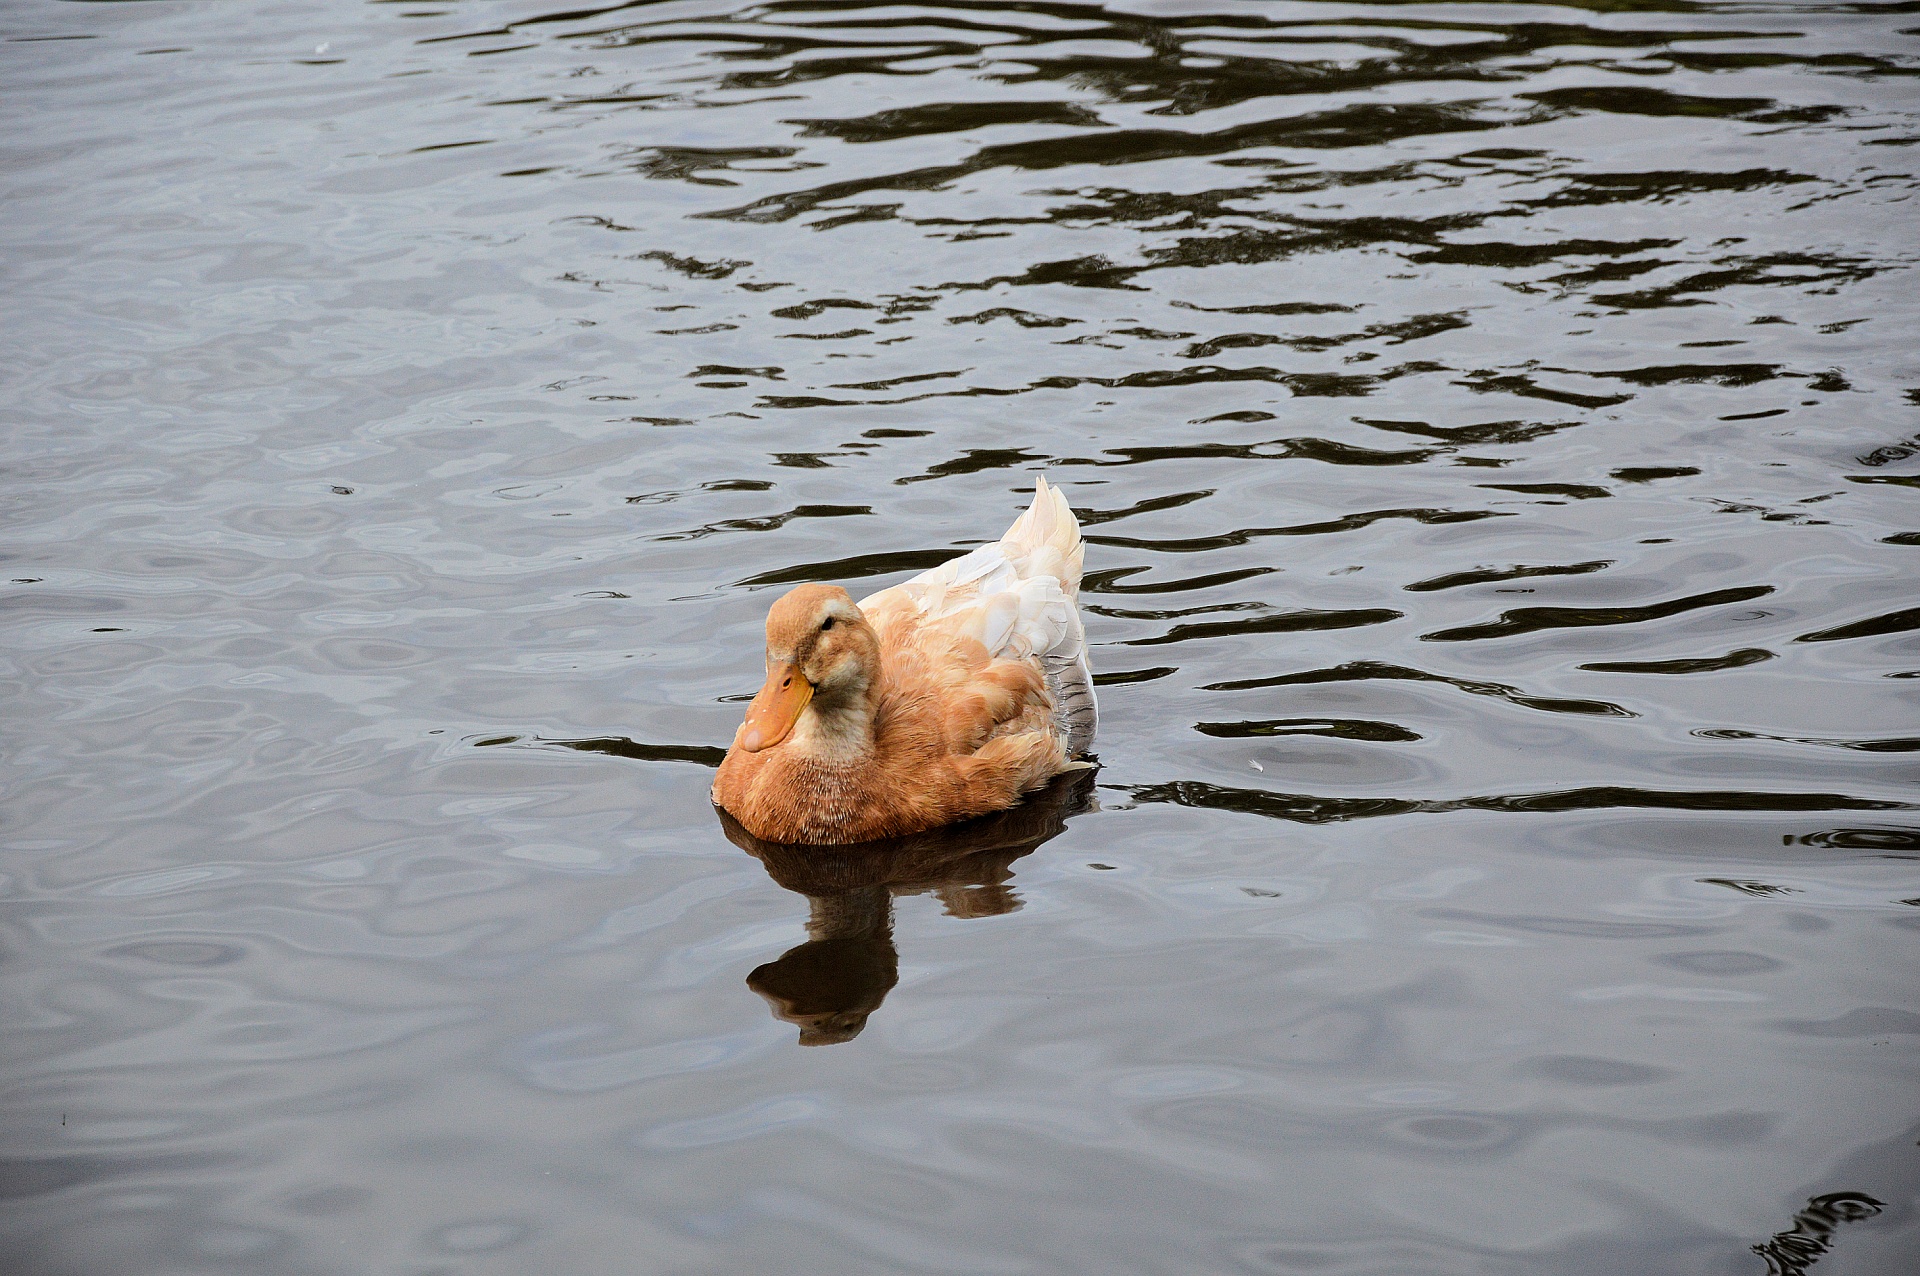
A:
x: 774, y: 711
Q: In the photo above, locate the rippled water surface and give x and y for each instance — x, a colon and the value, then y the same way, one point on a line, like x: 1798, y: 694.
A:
x: 1497, y: 430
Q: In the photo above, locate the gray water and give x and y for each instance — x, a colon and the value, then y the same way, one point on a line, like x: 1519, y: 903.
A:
x: 1497, y: 430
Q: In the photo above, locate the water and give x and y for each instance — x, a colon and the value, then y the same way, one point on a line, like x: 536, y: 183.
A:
x: 1496, y: 428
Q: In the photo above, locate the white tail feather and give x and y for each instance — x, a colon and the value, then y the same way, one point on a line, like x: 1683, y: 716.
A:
x: 1018, y: 596
x: 1045, y: 541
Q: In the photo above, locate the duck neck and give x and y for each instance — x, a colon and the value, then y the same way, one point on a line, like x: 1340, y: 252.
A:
x: 837, y: 730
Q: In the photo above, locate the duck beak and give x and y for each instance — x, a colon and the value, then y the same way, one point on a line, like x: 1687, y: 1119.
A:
x: 774, y: 711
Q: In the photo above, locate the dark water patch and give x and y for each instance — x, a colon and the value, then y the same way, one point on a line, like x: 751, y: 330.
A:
x: 1273, y: 308
x: 1729, y: 376
x: 1152, y: 505
x: 1862, y: 839
x: 1571, y: 282
x: 1368, y: 670
x: 1518, y: 256
x: 1792, y: 1252
x: 1121, y: 678
x: 1601, y: 797
x: 1234, y: 341
x: 770, y: 523
x: 814, y: 309
x: 1303, y: 620
x: 1491, y: 432
x: 1328, y: 451
x: 1394, y: 334
x: 1621, y: 99
x: 1788, y: 269
x: 1339, y: 728
x: 1758, y: 890
x: 1299, y: 808
x: 1172, y: 613
x: 692, y: 267
x: 1303, y: 385
x: 1301, y: 237
x: 1149, y: 334
x: 1355, y: 124
x: 1906, y: 744
x: 1025, y: 318
x: 1653, y: 473
x: 1527, y: 620
x: 1492, y: 381
x: 1738, y: 659
x: 1799, y: 518
x: 1891, y: 452
x: 1894, y: 622
x: 1092, y: 271
x: 1572, y: 491
x: 769, y: 372
x: 1599, y: 189
x: 614, y: 747
x: 948, y: 117
x: 890, y: 382
x: 1108, y: 582
x: 695, y: 164
x: 856, y: 567
x: 1832, y: 63
x: 1489, y: 575
x: 1349, y: 523
x: 974, y: 461
x: 1313, y: 809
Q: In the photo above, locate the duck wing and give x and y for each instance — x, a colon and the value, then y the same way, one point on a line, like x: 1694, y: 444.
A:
x: 1017, y: 597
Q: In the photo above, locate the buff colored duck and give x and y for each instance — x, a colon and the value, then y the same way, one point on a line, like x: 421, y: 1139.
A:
x: 943, y: 698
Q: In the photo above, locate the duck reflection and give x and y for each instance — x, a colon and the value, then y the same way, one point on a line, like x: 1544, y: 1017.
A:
x: 829, y: 985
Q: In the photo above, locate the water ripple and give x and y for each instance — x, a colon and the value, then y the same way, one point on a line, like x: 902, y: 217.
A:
x: 1497, y: 421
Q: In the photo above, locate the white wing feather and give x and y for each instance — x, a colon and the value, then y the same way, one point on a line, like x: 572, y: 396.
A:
x: 1018, y: 596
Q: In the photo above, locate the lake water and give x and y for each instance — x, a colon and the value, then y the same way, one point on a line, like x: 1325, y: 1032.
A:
x: 1497, y: 430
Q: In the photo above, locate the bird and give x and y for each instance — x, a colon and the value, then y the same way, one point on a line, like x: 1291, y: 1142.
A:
x: 946, y: 697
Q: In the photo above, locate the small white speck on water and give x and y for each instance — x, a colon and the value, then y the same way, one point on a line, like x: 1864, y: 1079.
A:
x: 1256, y: 766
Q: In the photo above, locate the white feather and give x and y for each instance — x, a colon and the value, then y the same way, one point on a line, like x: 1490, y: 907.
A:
x: 1018, y: 596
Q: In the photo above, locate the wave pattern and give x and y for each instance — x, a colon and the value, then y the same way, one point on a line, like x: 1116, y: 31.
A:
x: 1496, y: 432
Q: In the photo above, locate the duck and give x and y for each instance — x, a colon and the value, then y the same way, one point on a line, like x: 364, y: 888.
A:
x: 944, y: 698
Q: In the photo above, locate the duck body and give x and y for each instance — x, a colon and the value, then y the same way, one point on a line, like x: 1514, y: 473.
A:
x: 943, y: 698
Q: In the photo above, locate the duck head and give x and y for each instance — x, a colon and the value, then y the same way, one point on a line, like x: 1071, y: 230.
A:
x: 822, y: 656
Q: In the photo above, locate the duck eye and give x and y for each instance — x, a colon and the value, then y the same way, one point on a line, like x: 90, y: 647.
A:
x: 826, y: 624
